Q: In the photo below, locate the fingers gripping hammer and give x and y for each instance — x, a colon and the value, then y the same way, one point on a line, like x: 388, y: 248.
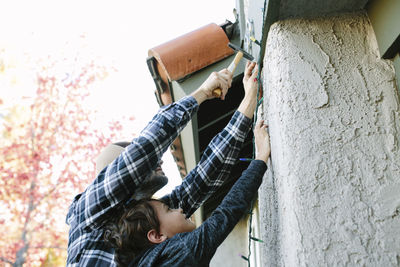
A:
x: 240, y: 53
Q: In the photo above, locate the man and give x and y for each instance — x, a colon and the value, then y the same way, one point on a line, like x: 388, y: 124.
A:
x: 106, y: 198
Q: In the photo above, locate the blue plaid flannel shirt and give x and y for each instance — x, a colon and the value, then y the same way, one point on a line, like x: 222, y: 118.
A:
x: 115, y: 185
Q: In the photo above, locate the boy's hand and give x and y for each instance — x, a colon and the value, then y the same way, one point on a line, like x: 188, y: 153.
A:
x: 263, y: 147
x: 250, y: 78
x: 221, y: 79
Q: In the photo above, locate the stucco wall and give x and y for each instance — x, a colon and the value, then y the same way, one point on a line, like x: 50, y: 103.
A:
x: 236, y: 243
x: 332, y: 195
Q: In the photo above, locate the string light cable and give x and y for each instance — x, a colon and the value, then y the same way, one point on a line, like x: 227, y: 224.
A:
x: 262, y: 44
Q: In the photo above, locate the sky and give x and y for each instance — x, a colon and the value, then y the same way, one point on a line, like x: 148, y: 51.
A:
x: 116, y: 32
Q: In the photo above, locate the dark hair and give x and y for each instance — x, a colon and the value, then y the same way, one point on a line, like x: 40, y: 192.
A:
x: 128, y: 235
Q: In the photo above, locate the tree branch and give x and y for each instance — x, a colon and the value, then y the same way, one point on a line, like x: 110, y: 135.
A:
x: 6, y: 260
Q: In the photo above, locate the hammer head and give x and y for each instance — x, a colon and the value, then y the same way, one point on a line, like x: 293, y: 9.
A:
x: 237, y: 48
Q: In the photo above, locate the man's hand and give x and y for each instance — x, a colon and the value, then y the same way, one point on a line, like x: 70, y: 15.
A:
x: 261, y: 136
x: 221, y: 79
x: 250, y: 84
x: 250, y: 78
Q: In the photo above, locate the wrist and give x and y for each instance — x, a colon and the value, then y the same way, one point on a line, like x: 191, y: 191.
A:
x: 247, y: 106
x: 250, y: 94
x: 199, y: 95
x: 263, y: 157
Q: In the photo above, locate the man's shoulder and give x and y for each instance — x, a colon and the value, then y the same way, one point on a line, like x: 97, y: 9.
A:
x: 88, y: 248
x: 94, y: 258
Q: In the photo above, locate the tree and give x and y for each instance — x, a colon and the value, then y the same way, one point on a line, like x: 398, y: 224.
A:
x: 47, y: 153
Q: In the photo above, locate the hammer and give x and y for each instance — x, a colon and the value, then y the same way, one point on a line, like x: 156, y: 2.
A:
x: 241, y: 53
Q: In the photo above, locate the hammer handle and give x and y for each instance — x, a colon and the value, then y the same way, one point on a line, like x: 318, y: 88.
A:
x: 218, y: 91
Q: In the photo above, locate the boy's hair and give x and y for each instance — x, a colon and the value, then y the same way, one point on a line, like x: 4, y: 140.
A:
x: 128, y: 235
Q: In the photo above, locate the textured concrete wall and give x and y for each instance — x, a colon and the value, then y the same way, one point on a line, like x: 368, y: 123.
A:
x: 313, y: 8
x: 332, y: 196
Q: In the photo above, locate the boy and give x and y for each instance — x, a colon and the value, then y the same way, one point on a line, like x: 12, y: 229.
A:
x: 154, y: 235
x: 110, y: 194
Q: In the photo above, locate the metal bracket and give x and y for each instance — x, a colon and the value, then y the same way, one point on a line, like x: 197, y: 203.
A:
x: 248, y: 43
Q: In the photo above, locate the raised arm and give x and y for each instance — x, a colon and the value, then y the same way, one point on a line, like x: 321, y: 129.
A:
x: 220, y: 155
x: 116, y: 183
x: 205, y: 240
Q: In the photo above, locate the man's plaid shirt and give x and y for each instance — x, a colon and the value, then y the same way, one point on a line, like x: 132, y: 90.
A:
x: 115, y: 185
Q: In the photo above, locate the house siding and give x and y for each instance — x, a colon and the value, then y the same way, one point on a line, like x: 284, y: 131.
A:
x: 235, y: 244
